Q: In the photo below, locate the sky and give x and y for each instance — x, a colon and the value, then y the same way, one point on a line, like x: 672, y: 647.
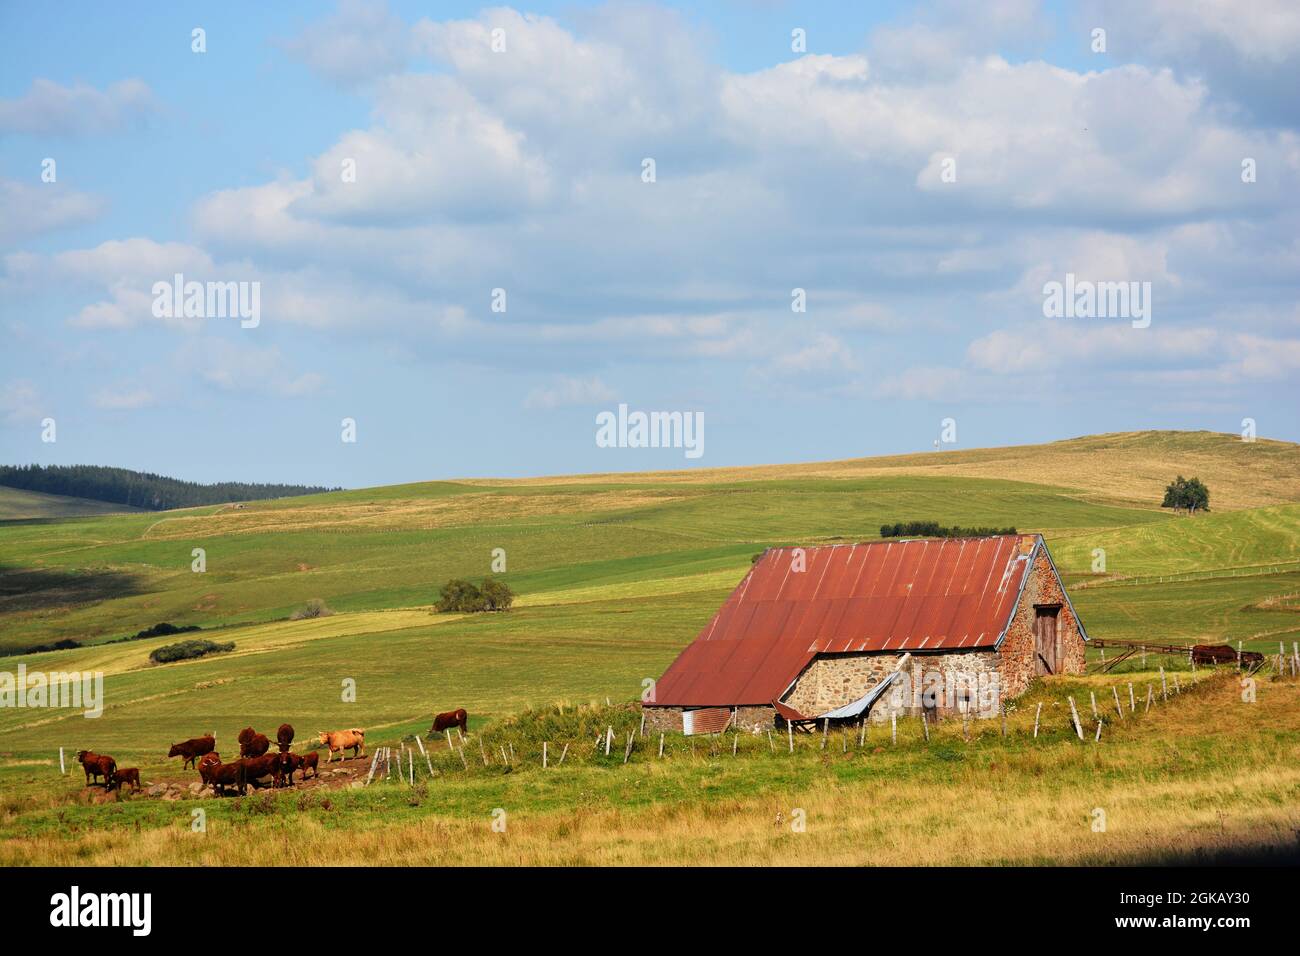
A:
x: 817, y: 230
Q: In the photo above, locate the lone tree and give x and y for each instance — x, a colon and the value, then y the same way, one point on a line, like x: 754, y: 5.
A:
x: 1186, y: 494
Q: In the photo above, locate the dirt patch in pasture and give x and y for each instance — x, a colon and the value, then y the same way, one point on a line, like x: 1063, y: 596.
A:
x: 188, y: 786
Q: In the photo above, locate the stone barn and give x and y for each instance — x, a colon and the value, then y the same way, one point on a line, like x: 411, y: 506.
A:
x: 846, y: 632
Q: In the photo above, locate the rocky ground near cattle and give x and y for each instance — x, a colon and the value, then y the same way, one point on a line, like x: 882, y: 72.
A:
x: 347, y: 773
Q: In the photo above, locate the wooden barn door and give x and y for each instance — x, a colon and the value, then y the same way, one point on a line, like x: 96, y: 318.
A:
x: 1046, y: 639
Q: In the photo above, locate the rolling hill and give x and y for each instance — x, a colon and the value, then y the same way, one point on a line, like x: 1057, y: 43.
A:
x: 614, y: 575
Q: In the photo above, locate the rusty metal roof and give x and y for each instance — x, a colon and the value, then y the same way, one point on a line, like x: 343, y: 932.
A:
x: 943, y: 594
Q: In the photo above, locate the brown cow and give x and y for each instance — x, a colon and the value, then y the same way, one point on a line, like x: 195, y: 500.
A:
x: 310, y: 761
x: 97, y: 765
x: 341, y: 740
x: 252, y: 744
x: 267, y: 765
x: 284, y: 737
x: 129, y: 775
x: 452, y: 718
x: 220, y: 775
x: 193, y: 749
x: 289, y: 762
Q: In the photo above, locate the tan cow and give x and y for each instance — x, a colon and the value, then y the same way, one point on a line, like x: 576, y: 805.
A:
x: 340, y: 740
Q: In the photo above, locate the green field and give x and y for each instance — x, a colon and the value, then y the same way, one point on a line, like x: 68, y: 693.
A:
x: 614, y: 575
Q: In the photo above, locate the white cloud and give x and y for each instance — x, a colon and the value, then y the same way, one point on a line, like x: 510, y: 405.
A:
x: 31, y: 209
x: 360, y: 41
x: 21, y: 403
x: 50, y: 109
x: 569, y: 391
x: 123, y: 398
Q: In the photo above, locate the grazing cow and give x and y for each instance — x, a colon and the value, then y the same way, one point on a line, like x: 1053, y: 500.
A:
x: 284, y: 737
x: 310, y: 761
x: 452, y: 718
x: 341, y: 740
x: 252, y: 744
x: 220, y: 775
x: 97, y: 765
x: 289, y: 762
x: 267, y: 765
x: 129, y: 775
x: 193, y: 749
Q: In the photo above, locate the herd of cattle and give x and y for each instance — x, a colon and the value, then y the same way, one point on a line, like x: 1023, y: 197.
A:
x: 254, y: 766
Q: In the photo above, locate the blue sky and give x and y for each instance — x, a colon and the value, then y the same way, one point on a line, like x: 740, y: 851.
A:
x: 776, y: 169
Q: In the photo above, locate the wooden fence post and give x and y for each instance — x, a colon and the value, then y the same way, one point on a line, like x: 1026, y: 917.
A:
x: 1038, y: 713
x: 1093, y: 695
x: 1132, y: 702
x: 1164, y: 687
x: 661, y: 744
x: 1119, y: 708
x: 1074, y: 713
x: 925, y: 727
x: 789, y: 729
x: 563, y: 753
x: 545, y: 746
x: 893, y: 728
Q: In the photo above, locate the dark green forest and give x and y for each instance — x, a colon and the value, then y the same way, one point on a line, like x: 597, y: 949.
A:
x: 139, y: 489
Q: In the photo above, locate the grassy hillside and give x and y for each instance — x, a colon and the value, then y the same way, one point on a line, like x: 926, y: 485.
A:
x: 1131, y: 466
x: 19, y: 505
x: 614, y: 575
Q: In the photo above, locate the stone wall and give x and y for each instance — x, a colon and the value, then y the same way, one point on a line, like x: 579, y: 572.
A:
x: 1017, y: 652
x: 668, y: 720
x: 833, y: 680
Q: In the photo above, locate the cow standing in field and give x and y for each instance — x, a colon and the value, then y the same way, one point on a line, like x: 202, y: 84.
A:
x: 267, y: 765
x: 193, y: 749
x: 129, y: 775
x: 252, y: 744
x: 289, y: 762
x: 310, y: 761
x: 284, y: 737
x: 220, y: 775
x: 452, y: 718
x: 97, y: 765
x: 341, y: 740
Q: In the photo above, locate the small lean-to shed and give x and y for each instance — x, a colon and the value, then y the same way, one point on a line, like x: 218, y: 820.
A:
x: 847, y: 632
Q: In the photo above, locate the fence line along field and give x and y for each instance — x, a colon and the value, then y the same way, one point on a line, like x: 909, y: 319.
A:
x: 613, y: 576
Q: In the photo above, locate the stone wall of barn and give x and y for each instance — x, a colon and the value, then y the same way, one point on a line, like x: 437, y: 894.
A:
x: 668, y: 720
x: 1018, y: 653
x: 965, y: 681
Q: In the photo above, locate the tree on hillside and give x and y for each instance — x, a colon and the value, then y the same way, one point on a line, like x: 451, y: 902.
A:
x: 497, y: 594
x: 460, y: 595
x: 1186, y: 494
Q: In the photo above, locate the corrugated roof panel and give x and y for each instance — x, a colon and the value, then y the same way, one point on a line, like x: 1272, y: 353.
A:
x: 923, y: 594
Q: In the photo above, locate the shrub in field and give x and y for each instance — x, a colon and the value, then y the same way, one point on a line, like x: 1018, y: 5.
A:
x: 313, y: 608
x: 164, y: 629
x: 188, y: 650
x: 932, y: 529
x: 460, y: 595
x: 497, y: 594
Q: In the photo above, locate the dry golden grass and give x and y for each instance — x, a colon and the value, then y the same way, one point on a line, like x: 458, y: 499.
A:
x: 1201, y: 774
x: 1127, y: 466
x: 401, y: 514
